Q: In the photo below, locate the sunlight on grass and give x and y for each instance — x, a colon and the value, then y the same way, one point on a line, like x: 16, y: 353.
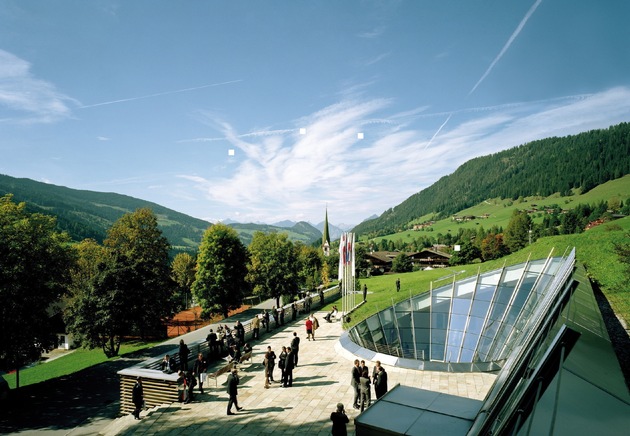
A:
x: 72, y: 362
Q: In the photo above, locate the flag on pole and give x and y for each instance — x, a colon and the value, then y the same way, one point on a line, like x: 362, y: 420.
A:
x: 352, y: 255
x: 342, y: 254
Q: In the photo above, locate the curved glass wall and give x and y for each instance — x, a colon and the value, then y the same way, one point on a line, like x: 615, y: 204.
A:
x: 471, y: 324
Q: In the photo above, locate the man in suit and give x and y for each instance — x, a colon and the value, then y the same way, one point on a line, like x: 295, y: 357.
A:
x: 380, y: 384
x: 199, y: 370
x: 137, y: 396
x: 295, y: 348
x: 270, y: 363
x: 288, y: 369
x: 354, y: 381
x: 232, y: 390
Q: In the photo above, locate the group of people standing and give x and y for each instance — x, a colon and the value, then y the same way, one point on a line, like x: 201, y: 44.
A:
x: 361, y: 382
x: 287, y: 361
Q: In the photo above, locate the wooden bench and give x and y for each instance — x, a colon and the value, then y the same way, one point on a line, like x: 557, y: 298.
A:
x: 227, y: 368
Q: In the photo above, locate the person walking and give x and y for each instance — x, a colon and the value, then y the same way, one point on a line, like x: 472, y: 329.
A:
x: 256, y: 328
x: 364, y: 293
x: 183, y: 355
x: 282, y: 363
x: 288, y: 370
x: 199, y: 370
x: 380, y: 383
x: 191, y: 382
x: 182, y: 387
x: 355, y: 383
x: 364, y: 388
x: 270, y: 363
x: 137, y: 396
x: 232, y: 390
x: 315, y: 325
x: 397, y: 285
x: 295, y: 348
x: 309, y: 328
x: 339, y: 420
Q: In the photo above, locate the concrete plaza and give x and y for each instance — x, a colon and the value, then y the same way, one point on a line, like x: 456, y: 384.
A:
x: 320, y: 381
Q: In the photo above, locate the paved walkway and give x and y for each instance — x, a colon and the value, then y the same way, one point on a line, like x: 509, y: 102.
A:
x: 320, y: 381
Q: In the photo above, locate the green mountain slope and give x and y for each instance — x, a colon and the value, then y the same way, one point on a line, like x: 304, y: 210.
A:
x: 497, y: 212
x: 89, y: 214
x: 540, y: 168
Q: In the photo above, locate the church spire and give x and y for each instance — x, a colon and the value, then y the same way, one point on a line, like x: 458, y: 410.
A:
x: 326, y: 236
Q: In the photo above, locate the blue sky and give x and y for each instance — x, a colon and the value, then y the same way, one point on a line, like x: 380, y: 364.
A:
x: 254, y: 110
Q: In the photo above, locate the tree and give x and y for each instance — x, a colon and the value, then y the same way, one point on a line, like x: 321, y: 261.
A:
x: 516, y: 235
x: 124, y: 287
x: 99, y: 314
x: 273, y: 268
x: 220, y: 283
x: 492, y: 247
x: 183, y: 270
x: 309, y: 265
x: 402, y: 263
x: 467, y: 254
x: 34, y: 274
x: 136, y: 238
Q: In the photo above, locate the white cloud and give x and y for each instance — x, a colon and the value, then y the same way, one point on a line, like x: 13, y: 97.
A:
x: 27, y: 98
x: 286, y: 176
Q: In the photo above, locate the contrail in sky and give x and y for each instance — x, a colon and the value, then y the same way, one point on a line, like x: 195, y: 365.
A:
x: 507, y: 44
x: 438, y: 131
x: 494, y: 62
x: 158, y: 94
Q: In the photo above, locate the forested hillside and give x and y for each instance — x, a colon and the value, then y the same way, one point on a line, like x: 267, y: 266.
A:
x: 541, y: 167
x: 88, y: 214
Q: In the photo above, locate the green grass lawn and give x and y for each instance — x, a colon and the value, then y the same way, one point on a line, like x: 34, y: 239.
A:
x: 594, y: 248
x: 70, y: 363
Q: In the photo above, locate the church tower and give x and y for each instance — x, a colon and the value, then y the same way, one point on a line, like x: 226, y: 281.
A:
x: 326, y: 236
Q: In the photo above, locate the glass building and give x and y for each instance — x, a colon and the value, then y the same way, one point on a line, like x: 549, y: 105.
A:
x: 469, y: 325
x: 536, y: 324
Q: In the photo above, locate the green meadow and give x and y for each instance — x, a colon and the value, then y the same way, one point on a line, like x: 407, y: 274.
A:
x: 499, y: 211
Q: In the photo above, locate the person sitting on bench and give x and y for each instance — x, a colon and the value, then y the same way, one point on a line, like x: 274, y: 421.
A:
x: 330, y: 314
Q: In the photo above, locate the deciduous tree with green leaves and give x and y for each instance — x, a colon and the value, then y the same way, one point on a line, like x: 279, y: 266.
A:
x: 273, y: 268
x: 35, y: 261
x: 220, y: 284
x: 183, y: 270
x: 125, y: 288
x: 309, y: 265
